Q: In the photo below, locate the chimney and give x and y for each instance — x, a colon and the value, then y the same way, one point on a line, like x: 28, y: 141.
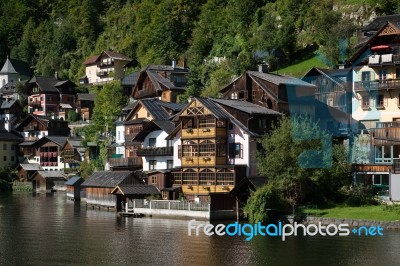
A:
x: 56, y: 75
x: 263, y: 68
x: 174, y: 63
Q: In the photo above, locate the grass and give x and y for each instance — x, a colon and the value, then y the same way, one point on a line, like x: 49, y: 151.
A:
x: 301, y: 68
x: 370, y: 212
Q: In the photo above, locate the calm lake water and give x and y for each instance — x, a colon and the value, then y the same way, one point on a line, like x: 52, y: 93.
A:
x: 49, y: 230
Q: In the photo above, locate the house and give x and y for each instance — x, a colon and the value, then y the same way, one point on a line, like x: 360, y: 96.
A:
x: 73, y: 187
x: 157, y: 154
x: 141, y: 112
x: 10, y: 89
x: 283, y: 94
x: 26, y: 170
x: 124, y: 193
x: 129, y: 82
x: 10, y: 110
x: 48, y: 152
x: 48, y: 181
x: 34, y: 127
x: 72, y: 153
x: 104, y: 67
x: 165, y: 82
x: 215, y: 146
x: 376, y: 78
x: 84, y: 105
x: 14, y: 70
x: 9, y: 141
x: 47, y: 94
x: 100, y: 185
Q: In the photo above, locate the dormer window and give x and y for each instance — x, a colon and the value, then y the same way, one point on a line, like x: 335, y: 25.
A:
x: 234, y: 96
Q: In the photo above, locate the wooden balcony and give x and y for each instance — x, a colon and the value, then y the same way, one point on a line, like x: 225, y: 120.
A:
x: 196, y: 161
x: 377, y: 85
x: 156, y: 151
x: 102, y: 73
x: 31, y: 128
x: 125, y: 162
x: 188, y: 133
x: 35, y: 103
x: 388, y: 124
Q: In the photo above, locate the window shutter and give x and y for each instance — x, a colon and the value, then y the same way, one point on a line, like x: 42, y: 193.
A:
x: 231, y: 150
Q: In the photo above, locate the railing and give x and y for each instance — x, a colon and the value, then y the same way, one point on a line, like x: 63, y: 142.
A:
x: 169, y: 205
x: 101, y: 73
x: 115, y: 162
x: 154, y: 151
x: 387, y: 124
x: 396, y: 166
x: 34, y: 103
x: 384, y: 59
x: 376, y: 85
x: 31, y: 128
x: 31, y: 138
x: 68, y: 153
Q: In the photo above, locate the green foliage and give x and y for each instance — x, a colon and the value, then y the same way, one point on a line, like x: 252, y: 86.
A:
x: 283, y: 151
x: 359, y: 195
x: 87, y: 168
x: 73, y: 116
x: 267, y: 197
x: 7, y: 175
x: 221, y: 76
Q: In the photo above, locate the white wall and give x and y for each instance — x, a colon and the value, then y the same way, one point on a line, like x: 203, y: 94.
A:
x: 236, y: 135
x: 160, y: 136
x: 177, y: 142
x: 395, y: 187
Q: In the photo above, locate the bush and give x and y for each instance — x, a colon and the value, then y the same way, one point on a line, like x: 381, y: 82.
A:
x: 359, y: 195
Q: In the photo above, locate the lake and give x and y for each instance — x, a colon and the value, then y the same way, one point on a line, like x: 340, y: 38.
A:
x: 47, y: 229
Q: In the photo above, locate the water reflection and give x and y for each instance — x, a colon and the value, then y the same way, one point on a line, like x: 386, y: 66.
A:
x: 49, y: 230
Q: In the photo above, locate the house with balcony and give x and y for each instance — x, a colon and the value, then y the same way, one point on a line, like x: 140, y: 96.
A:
x: 9, y: 140
x: 10, y: 90
x: 104, y: 67
x: 215, y: 146
x: 157, y: 156
x: 14, y: 70
x: 72, y: 154
x: 33, y: 128
x: 141, y: 112
x: 376, y: 78
x: 283, y: 94
x: 164, y: 82
x: 48, y: 152
x: 10, y: 110
x: 47, y: 94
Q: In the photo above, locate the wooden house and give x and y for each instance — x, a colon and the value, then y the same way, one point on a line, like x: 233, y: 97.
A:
x: 129, y: 82
x: 46, y: 94
x: 48, y: 181
x: 11, y: 111
x: 164, y: 82
x: 283, y: 94
x: 48, y: 152
x: 100, y: 185
x: 84, y: 105
x: 73, y: 186
x: 26, y: 171
x: 215, y: 146
x: 72, y: 154
x: 130, y: 192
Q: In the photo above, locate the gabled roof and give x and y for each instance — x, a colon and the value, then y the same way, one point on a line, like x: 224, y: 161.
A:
x: 166, y: 126
x: 91, y: 60
x: 14, y: 66
x: 279, y: 79
x: 247, y: 107
x: 30, y: 166
x: 330, y: 74
x: 176, y: 107
x: 74, y: 180
x: 10, y: 136
x: 86, y: 96
x: 130, y: 80
x: 44, y: 120
x: 136, y: 190
x: 109, y: 179
x: 366, y: 45
x: 94, y: 58
x: 7, y: 104
x: 152, y: 105
x: 59, y: 140
x: 50, y: 84
x: 130, y: 106
x: 11, y: 87
x: 380, y: 21
x: 53, y: 175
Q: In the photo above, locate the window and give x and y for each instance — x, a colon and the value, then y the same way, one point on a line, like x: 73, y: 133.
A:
x: 234, y: 96
x: 365, y: 102
x: 12, y: 158
x: 152, y: 142
x: 170, y: 164
x: 206, y: 149
x: 170, y: 143
x: 230, y: 126
x: 365, y: 76
x: 235, y: 150
x: 206, y: 123
x: 221, y: 149
x: 382, y: 74
x: 380, y: 101
x: 5, y: 158
x: 381, y: 179
x: 262, y: 123
x: 179, y: 151
x: 152, y: 164
x: 119, y: 135
x: 5, y: 146
x: 154, y: 179
x: 329, y: 101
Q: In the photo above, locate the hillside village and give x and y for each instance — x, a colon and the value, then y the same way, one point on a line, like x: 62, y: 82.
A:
x: 203, y: 150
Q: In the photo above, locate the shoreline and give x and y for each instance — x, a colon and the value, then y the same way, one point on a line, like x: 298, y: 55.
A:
x: 389, y: 225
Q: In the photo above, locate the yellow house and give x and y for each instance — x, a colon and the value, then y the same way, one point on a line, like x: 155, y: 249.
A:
x: 8, y: 147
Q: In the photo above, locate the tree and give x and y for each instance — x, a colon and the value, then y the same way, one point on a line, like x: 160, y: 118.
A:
x: 300, y: 165
x: 7, y: 175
